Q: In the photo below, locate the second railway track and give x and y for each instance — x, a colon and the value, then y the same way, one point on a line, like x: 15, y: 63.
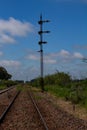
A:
x: 8, y: 108
x: 7, y: 98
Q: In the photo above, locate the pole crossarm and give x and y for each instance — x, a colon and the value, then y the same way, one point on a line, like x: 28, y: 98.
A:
x: 42, y: 42
x: 40, y: 32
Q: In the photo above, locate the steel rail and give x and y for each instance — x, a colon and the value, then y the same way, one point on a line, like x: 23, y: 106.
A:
x: 5, y: 90
x: 36, y: 107
x: 9, y: 106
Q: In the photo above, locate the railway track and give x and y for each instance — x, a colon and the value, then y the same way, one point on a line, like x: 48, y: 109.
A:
x: 7, y: 109
x: 24, y: 114
x: 5, y: 90
x: 38, y: 120
x: 8, y: 95
x: 37, y: 109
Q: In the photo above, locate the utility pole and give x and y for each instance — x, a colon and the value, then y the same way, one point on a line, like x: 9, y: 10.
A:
x: 41, y: 42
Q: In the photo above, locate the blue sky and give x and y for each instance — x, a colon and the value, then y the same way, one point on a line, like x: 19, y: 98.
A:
x: 67, y: 42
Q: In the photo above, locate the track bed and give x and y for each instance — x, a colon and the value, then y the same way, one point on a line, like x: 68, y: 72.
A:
x: 22, y: 115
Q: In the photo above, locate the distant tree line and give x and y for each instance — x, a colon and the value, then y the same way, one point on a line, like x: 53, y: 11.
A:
x: 4, y: 75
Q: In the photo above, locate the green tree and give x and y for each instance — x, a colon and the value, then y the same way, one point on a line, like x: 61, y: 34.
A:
x: 62, y: 78
x: 4, y: 75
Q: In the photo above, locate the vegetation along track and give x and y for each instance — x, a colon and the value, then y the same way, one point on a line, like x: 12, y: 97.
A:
x: 55, y: 116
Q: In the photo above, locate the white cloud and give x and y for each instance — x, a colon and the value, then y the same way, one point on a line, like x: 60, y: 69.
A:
x: 50, y: 61
x: 70, y: 56
x: 6, y: 39
x: 13, y: 27
x: 47, y: 58
x: 78, y: 55
x: 10, y: 63
x: 81, y: 47
x: 57, y: 57
x: 64, y: 53
x: 32, y: 57
x: 1, y: 53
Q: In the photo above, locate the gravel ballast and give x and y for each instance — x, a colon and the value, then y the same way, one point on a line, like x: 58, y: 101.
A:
x: 23, y: 116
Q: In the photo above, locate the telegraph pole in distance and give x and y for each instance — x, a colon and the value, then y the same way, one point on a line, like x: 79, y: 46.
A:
x: 41, y: 42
